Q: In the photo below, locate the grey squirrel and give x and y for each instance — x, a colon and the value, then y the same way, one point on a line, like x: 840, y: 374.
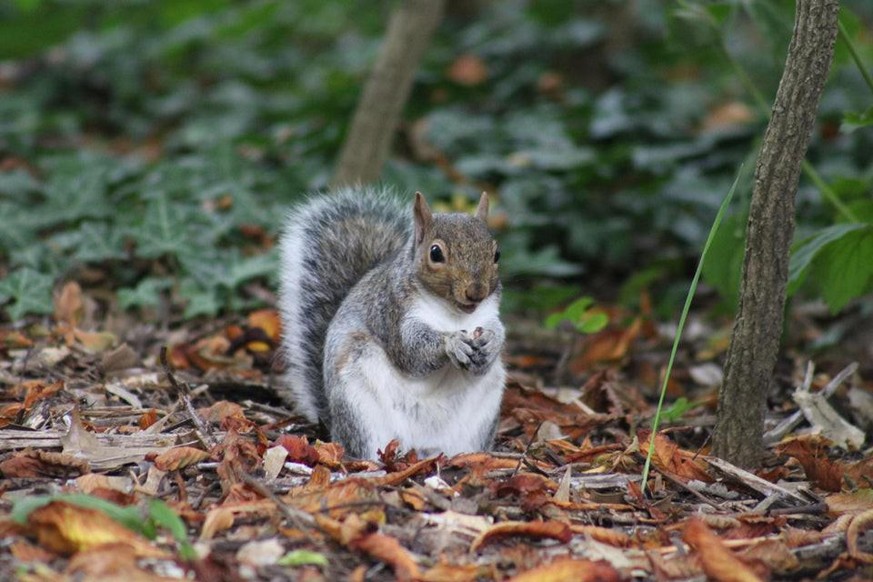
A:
x: 391, y: 322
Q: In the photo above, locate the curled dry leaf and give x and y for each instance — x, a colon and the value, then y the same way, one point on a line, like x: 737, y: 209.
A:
x: 811, y: 451
x: 570, y: 570
x: 179, y: 458
x: 32, y: 464
x: 859, y: 523
x: 555, y: 530
x: 387, y: 549
x: 717, y: 560
x: 604, y: 535
x: 217, y: 520
x: 299, y: 449
x: 330, y: 454
x: 67, y: 529
x: 444, y: 572
x: 671, y: 459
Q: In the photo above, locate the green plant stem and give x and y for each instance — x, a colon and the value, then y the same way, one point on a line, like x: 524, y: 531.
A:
x: 685, y: 309
x: 844, y: 36
x: 827, y: 192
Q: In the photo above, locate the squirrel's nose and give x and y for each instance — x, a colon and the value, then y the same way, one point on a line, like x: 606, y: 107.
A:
x: 476, y: 292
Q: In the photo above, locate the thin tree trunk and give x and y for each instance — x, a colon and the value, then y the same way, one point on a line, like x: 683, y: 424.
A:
x: 368, y: 142
x: 755, y: 342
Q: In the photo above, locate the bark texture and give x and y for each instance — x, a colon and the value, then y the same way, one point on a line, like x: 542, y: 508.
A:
x: 368, y: 142
x: 758, y: 328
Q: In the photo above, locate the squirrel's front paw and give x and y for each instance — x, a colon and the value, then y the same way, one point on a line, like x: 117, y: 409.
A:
x: 459, y: 349
x: 486, y: 348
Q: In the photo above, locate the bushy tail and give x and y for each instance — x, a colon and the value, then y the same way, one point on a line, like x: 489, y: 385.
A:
x: 329, y: 243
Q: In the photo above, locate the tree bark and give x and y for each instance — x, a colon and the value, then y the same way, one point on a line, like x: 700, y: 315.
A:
x: 368, y: 141
x: 758, y: 327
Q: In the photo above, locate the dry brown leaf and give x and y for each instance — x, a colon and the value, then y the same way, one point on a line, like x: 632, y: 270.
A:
x: 330, y: 454
x: 113, y: 561
x: 24, y: 551
x: 37, y: 390
x: 854, y: 502
x: 811, y: 451
x: 179, y: 458
x: 468, y: 70
x: 444, y: 572
x: 220, y: 411
x: 299, y: 449
x: 718, y: 562
x: 67, y: 529
x: 570, y: 570
x: 95, y: 481
x: 605, y: 535
x: 95, y: 341
x: 774, y: 554
x: 238, y: 458
x: 217, y: 520
x: 555, y: 530
x: 387, y: 549
x: 69, y: 305
x: 267, y: 320
x: 30, y: 463
x: 608, y: 345
x: 148, y: 418
x: 860, y: 523
x: 668, y: 457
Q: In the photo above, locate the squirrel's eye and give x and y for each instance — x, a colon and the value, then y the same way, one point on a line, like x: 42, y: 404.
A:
x: 436, y: 254
x: 496, y: 256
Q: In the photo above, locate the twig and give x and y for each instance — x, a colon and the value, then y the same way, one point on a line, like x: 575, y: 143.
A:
x: 789, y: 423
x: 299, y: 518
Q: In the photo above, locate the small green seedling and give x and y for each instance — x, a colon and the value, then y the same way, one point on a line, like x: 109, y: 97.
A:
x: 581, y: 315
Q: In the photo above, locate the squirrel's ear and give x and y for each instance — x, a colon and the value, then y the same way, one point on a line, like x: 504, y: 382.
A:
x: 423, y: 217
x: 482, y: 209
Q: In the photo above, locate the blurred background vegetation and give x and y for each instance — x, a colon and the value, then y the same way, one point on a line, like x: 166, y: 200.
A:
x: 149, y: 148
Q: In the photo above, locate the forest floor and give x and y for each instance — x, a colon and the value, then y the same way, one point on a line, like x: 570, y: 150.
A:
x: 118, y: 461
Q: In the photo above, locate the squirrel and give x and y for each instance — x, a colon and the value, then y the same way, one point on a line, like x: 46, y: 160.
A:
x: 391, y: 322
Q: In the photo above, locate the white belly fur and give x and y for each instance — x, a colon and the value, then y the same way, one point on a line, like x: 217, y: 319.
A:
x: 450, y: 410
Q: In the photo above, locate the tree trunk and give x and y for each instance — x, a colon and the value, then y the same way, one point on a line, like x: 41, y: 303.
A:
x: 755, y: 341
x: 368, y: 141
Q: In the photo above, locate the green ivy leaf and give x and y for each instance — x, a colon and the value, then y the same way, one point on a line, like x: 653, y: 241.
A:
x: 30, y: 292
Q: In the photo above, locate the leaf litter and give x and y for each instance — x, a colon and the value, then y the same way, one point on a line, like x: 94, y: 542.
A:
x: 126, y: 460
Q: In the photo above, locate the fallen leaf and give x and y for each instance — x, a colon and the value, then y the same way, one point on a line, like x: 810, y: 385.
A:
x: 570, y: 570
x: 468, y: 70
x: 69, y: 306
x: 217, y: 520
x: 387, y: 549
x: 668, y: 457
x: 32, y: 464
x: 717, y: 560
x: 179, y: 457
x: 860, y: 523
x: 299, y: 449
x: 66, y: 529
x: 555, y: 530
x: 811, y: 451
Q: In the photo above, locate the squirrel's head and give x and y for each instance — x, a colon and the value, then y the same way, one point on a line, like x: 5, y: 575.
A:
x: 455, y: 256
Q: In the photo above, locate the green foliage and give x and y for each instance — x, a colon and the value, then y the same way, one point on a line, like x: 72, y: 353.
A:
x: 158, y: 515
x: 148, y: 139
x: 303, y: 558
x: 680, y: 407
x: 581, y: 316
x: 692, y: 290
x: 838, y: 261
